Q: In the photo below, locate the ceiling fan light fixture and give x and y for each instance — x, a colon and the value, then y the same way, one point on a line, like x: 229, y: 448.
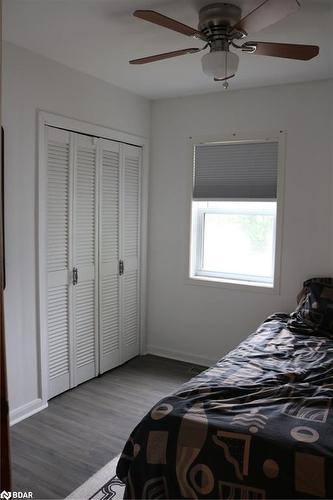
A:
x: 220, y: 64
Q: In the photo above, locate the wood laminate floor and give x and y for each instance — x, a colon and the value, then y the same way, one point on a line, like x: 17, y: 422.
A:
x: 56, y: 450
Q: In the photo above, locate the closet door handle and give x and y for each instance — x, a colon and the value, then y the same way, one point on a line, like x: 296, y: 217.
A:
x: 75, y: 276
x: 121, y: 267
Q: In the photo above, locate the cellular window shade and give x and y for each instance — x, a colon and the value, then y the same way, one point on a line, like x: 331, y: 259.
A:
x: 235, y: 171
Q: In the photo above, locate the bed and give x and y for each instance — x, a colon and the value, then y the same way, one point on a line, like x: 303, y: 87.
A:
x: 258, y: 424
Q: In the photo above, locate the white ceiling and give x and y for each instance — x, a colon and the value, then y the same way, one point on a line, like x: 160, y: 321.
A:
x: 98, y: 37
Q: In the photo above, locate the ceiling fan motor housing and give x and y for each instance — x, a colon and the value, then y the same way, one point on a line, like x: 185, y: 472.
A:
x: 216, y: 20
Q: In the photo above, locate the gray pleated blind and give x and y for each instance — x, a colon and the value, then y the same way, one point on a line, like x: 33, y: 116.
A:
x: 236, y: 171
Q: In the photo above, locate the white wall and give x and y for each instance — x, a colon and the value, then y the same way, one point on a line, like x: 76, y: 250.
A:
x: 192, y: 322
x: 30, y: 83
x: 201, y: 323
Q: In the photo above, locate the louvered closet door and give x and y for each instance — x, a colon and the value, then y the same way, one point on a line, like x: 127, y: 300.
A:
x: 130, y: 244
x: 93, y: 225
x: 85, y: 316
x: 58, y: 260
x: 109, y: 303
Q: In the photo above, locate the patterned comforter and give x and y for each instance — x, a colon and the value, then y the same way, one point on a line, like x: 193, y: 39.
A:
x: 258, y: 424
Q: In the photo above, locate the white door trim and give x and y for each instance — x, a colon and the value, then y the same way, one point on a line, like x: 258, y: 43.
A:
x: 54, y: 120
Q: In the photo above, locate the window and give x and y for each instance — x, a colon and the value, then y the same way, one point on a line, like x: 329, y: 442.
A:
x: 234, y: 212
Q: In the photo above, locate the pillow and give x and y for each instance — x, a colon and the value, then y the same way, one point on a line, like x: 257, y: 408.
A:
x: 314, y: 313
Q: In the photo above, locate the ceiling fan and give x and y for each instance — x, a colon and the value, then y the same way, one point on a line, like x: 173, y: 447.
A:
x: 221, y: 26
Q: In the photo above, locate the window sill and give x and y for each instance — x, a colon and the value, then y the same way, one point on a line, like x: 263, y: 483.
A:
x: 245, y: 286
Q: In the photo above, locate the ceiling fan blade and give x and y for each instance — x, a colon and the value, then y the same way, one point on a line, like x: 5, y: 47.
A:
x: 266, y: 12
x: 166, y: 55
x: 286, y: 50
x: 161, y: 20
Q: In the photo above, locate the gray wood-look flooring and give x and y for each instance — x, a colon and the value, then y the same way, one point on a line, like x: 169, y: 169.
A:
x: 56, y: 450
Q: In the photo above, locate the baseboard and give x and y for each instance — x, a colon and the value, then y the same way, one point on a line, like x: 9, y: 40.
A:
x: 180, y: 355
x: 26, y: 411
x: 37, y: 405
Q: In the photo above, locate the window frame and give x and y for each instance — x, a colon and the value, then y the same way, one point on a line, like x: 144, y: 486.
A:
x: 234, y: 281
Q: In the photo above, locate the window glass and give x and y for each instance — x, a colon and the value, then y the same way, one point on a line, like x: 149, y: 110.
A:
x: 240, y: 242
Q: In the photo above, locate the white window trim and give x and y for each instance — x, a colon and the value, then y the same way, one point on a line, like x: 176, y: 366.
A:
x: 236, y: 284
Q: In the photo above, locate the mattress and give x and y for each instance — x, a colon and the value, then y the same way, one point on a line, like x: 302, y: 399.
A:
x: 258, y: 424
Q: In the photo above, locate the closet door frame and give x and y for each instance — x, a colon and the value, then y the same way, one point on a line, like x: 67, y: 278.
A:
x: 76, y: 126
